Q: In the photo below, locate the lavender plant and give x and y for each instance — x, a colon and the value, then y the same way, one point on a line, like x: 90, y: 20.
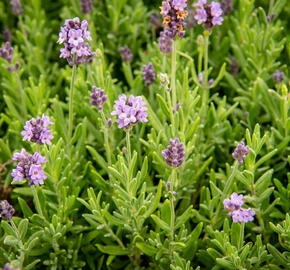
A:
x: 167, y: 141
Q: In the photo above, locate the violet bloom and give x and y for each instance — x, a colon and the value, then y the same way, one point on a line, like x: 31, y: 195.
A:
x: 200, y: 79
x: 74, y: 35
x: 163, y: 77
x: 126, y: 53
x: 165, y: 42
x: 7, y: 34
x: 6, y: 52
x: 241, y: 152
x: 29, y: 167
x: 36, y: 130
x: 154, y: 21
x: 130, y: 112
x: 16, y: 7
x: 174, y: 154
x: 86, y: 6
x: 173, y: 13
x: 234, y: 66
x: 238, y: 214
x: 7, y: 266
x: 169, y: 188
x: 178, y: 106
x: 109, y: 122
x: 98, y: 98
x: 148, y: 74
x: 278, y: 76
x: 208, y: 14
x: 6, y: 210
x: 227, y: 6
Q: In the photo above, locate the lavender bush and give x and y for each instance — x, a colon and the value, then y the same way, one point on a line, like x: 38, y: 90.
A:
x: 161, y: 141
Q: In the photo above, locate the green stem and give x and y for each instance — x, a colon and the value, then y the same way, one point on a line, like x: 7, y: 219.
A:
x: 172, y: 219
x: 164, y: 63
x: 106, y: 135
x: 205, y: 77
x: 128, y: 146
x: 21, y: 96
x: 225, y: 192
x: 22, y: 254
x: 241, y: 240
x: 37, y: 202
x: 71, y: 113
x: 173, y: 71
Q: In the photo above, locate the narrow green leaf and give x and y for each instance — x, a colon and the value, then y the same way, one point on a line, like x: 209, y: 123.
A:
x: 113, y: 250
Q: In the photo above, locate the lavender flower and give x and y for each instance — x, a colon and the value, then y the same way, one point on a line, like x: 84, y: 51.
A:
x: 174, y: 154
x: 234, y: 203
x: 163, y: 77
x: 278, y: 76
x: 98, y: 98
x: 178, y: 105
x: 154, y: 21
x: 233, y: 206
x: 227, y: 6
x: 9, y: 267
x: 169, y: 188
x: 131, y: 112
x: 190, y: 21
x: 86, y: 6
x: 6, y: 210
x: 148, y: 74
x: 74, y: 35
x: 165, y: 42
x: 200, y: 79
x: 270, y: 18
x: 29, y: 167
x: 16, y: 7
x: 126, y: 53
x: 173, y: 15
x: 234, y: 66
x: 7, y: 34
x: 35, y: 130
x: 6, y: 52
x: 109, y: 122
x: 241, y: 152
x: 208, y: 14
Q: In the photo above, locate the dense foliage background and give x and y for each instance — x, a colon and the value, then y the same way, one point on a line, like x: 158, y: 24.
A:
x: 98, y: 211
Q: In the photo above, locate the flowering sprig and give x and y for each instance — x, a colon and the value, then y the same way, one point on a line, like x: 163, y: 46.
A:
x: 6, y: 210
x: 29, y: 167
x: 6, y: 52
x: 74, y: 35
x: 208, y: 14
x: 238, y: 214
x: 35, y: 130
x: 86, y: 6
x: 16, y: 7
x: 98, y: 97
x: 174, y: 154
x: 126, y: 54
x: 148, y: 74
x: 240, y: 153
x: 130, y: 112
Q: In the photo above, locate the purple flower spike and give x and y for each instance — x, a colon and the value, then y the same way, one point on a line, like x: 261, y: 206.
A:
x: 74, y: 35
x: 148, y: 74
x: 126, y: 53
x: 6, y: 210
x: 6, y: 52
x: 29, y: 167
x: 109, y: 122
x: 35, y: 130
x: 208, y: 14
x: 227, y: 6
x: 174, y: 154
x: 200, y: 79
x: 16, y: 7
x: 168, y: 185
x: 86, y: 6
x: 165, y: 42
x: 7, y: 34
x: 241, y: 152
x: 238, y: 214
x: 98, y: 98
x: 130, y: 112
x: 278, y: 76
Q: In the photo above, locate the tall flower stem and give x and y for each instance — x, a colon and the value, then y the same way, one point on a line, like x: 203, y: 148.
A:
x: 106, y: 135
x: 71, y: 112
x: 173, y: 71
x: 225, y: 192
x: 128, y: 146
x: 22, y: 254
x: 37, y: 202
x: 205, y: 75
